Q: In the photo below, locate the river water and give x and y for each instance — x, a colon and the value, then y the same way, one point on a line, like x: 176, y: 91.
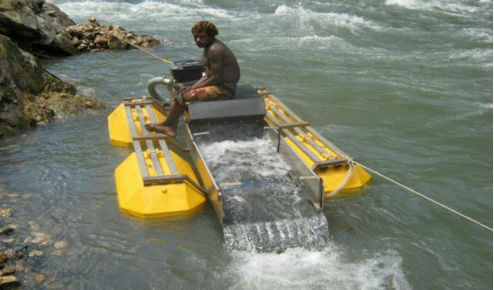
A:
x: 404, y: 86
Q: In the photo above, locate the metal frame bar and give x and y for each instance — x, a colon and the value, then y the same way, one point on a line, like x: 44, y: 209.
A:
x: 149, y: 143
x: 308, y: 177
x: 299, y: 131
x: 323, y: 140
x: 213, y: 188
x: 170, y: 179
x: 199, y: 155
x: 328, y: 163
x: 295, y: 140
x: 286, y: 126
x: 148, y: 140
x: 166, y: 153
x: 140, y: 159
x: 130, y: 121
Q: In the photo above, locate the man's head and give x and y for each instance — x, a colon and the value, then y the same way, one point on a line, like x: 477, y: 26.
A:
x: 204, y: 33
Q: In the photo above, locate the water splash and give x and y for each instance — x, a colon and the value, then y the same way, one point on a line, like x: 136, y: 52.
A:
x: 330, y: 268
x: 269, y: 211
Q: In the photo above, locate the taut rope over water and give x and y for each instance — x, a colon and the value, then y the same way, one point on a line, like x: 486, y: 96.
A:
x: 164, y: 59
x: 152, y: 54
x: 425, y: 197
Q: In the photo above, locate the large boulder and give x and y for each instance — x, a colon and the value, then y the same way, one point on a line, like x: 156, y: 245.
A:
x: 30, y: 95
x: 96, y: 37
x: 36, y: 26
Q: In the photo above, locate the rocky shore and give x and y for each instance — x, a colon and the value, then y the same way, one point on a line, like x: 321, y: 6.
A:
x: 29, y: 95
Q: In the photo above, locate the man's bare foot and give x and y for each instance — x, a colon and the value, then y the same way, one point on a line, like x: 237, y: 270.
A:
x: 158, y: 128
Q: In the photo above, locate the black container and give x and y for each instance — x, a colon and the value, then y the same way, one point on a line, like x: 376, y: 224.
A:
x: 187, y: 70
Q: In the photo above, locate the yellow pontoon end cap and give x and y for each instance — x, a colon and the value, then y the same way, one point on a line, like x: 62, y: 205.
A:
x: 334, y: 177
x: 157, y: 200
x: 118, y: 127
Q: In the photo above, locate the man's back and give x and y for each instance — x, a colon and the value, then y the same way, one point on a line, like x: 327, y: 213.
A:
x: 228, y: 61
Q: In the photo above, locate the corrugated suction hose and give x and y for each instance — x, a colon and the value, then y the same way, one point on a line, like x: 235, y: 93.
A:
x: 152, y: 88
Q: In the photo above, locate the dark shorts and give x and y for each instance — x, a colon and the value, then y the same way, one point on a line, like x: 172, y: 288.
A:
x: 211, y: 93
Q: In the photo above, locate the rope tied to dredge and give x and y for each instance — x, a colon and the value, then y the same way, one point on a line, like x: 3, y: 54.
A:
x: 424, y: 196
x: 344, y: 182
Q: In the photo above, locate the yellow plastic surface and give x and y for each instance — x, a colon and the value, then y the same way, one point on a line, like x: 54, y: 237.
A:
x: 332, y: 176
x: 156, y: 200
x: 118, y: 127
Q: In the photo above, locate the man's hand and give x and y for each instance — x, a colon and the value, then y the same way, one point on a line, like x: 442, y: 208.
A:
x: 181, y: 88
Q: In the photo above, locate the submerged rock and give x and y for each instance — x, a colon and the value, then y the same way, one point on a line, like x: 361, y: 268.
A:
x: 8, y: 281
x: 7, y: 271
x: 7, y: 212
x: 6, y: 230
x: 3, y: 258
x: 36, y: 253
x: 60, y: 245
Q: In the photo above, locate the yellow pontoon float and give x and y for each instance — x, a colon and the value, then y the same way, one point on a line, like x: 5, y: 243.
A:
x: 158, y: 180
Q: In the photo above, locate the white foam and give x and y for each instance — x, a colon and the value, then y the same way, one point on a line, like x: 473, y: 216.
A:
x: 235, y: 152
x: 484, y: 105
x: 321, y: 42
x: 452, y: 7
x: 305, y: 16
x: 281, y: 42
x: 481, y: 56
x: 327, y: 269
x: 147, y: 10
x: 478, y: 34
x: 412, y: 4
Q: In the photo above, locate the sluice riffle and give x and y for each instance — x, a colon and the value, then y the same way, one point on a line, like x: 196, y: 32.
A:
x: 265, y: 206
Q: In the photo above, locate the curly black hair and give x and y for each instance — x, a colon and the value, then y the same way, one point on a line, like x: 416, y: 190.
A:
x: 205, y: 26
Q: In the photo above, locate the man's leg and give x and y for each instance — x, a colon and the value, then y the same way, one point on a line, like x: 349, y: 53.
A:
x: 169, y: 126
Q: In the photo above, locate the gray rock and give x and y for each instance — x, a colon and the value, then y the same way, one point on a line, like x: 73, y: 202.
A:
x: 6, y: 230
x: 95, y: 37
x: 8, y: 281
x: 29, y: 94
x: 116, y: 39
x: 3, y: 258
x: 7, y: 271
x: 36, y: 26
x: 60, y: 245
x: 36, y: 253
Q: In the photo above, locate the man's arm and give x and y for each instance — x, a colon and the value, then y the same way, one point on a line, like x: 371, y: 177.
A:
x: 215, y: 71
x: 198, y: 83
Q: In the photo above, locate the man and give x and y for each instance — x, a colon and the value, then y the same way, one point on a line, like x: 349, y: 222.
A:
x: 219, y: 82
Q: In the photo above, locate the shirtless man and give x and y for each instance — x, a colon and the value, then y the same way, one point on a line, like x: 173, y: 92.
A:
x: 219, y: 82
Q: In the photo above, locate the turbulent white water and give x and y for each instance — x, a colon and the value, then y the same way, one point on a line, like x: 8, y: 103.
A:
x: 269, y: 210
x: 330, y: 268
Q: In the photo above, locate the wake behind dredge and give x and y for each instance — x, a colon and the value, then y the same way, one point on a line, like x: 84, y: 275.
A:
x: 265, y: 171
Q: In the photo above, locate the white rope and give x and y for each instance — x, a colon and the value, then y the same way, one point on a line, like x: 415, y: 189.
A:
x: 425, y: 197
x: 138, y: 47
